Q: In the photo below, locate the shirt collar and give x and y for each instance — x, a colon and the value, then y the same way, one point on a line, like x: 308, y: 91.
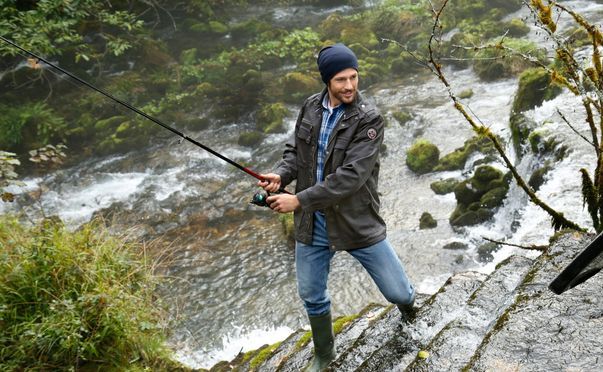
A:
x: 325, y: 104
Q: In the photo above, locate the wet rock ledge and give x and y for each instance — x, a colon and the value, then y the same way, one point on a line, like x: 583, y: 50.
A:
x: 505, y: 321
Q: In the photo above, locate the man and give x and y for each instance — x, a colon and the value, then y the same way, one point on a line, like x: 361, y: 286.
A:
x: 334, y: 156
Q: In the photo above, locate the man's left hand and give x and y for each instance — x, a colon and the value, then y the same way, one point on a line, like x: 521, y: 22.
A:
x: 283, y: 203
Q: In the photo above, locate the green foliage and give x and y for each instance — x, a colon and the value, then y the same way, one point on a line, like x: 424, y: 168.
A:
x: 50, y: 27
x: 33, y: 123
x: 270, y: 118
x: 67, y: 298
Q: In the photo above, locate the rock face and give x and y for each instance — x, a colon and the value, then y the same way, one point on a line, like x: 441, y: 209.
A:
x: 506, y: 321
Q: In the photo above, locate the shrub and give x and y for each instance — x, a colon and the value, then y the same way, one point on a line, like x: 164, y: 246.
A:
x: 68, y: 299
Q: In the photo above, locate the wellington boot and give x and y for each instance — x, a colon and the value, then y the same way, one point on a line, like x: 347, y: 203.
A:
x: 324, y: 342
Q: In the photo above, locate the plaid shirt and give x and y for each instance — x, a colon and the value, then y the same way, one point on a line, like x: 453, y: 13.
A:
x: 330, y: 117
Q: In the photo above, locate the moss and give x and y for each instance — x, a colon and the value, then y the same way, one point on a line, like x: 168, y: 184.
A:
x: 303, y: 341
x: 443, y: 187
x: 467, y: 93
x: 297, y: 86
x: 456, y: 160
x: 516, y: 27
x: 533, y: 89
x: 250, y: 139
x: 340, y: 323
x: 422, y: 157
x: 497, y: 63
x: 270, y: 118
x: 427, y: 221
x: 537, y: 177
x: 402, y: 116
x: 494, y: 197
x: 262, y: 355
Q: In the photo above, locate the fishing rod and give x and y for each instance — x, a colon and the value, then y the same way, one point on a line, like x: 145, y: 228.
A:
x: 258, y: 198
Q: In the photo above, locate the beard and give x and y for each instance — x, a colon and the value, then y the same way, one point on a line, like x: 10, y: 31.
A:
x: 345, y: 96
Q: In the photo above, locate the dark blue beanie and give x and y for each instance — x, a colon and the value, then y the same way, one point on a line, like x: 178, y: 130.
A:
x: 333, y: 59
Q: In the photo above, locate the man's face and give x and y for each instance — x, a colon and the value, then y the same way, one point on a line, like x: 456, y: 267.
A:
x: 343, y: 87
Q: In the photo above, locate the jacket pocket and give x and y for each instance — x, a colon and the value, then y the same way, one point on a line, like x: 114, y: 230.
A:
x: 304, y: 144
x: 339, y: 149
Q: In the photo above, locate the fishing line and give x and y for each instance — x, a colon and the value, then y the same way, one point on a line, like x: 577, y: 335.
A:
x: 145, y: 115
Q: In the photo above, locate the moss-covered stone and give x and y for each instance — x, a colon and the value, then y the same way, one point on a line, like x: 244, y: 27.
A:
x: 251, y: 139
x: 456, y: 160
x: 521, y: 129
x: 516, y: 27
x: 485, y: 252
x: 497, y: 63
x: 443, y: 187
x: 270, y: 118
x: 402, y: 116
x: 422, y: 156
x: 427, y: 221
x: 533, y: 89
x: 478, y: 196
x: 297, y: 86
x: 467, y: 93
x: 537, y: 177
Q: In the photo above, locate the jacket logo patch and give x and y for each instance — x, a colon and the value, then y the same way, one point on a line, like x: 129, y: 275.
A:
x: 371, y: 133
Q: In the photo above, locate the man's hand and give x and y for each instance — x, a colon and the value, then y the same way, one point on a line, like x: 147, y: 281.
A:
x: 271, y: 183
x: 283, y: 203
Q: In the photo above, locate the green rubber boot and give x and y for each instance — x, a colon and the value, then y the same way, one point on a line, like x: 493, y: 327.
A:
x: 324, y: 342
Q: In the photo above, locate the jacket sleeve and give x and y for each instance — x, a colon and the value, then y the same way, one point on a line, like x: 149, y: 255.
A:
x: 287, y: 168
x: 358, y: 164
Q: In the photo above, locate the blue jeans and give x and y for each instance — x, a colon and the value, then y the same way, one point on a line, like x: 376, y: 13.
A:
x: 312, y: 264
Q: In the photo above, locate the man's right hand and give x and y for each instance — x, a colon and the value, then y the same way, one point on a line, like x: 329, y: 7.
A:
x: 271, y: 183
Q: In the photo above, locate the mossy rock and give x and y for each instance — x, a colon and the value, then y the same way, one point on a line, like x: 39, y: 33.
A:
x: 427, y: 221
x: 154, y: 53
x: 456, y: 246
x: 487, y: 173
x: 456, y: 159
x: 443, y: 187
x: 270, y: 118
x: 485, y: 252
x: 402, y: 116
x: 534, y: 88
x: 465, y: 193
x: 521, y: 130
x: 538, y: 176
x: 516, y: 27
x: 298, y: 86
x: 422, y: 156
x: 496, y: 63
x: 494, y: 198
x: 359, y: 34
x: 251, y: 139
x: 465, y: 94
x: 465, y: 217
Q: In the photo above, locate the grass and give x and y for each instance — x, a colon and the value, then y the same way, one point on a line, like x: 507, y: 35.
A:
x: 72, y: 300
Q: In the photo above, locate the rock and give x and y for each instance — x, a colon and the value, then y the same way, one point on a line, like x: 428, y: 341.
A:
x: 467, y: 93
x: 297, y: 86
x: 422, y: 156
x: 402, y: 116
x: 538, y: 176
x: 521, y: 129
x: 534, y: 88
x: 427, y: 221
x: 270, y: 118
x: 456, y: 160
x: 496, y: 63
x: 516, y: 27
x: 456, y: 246
x: 443, y: 187
x: 484, y: 252
x: 250, y: 139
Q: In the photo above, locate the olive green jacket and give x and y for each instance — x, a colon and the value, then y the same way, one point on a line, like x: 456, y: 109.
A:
x: 348, y: 196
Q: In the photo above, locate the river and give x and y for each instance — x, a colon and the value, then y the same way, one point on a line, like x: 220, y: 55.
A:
x: 230, y: 277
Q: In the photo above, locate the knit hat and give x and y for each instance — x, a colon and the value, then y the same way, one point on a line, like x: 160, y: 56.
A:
x: 333, y: 59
